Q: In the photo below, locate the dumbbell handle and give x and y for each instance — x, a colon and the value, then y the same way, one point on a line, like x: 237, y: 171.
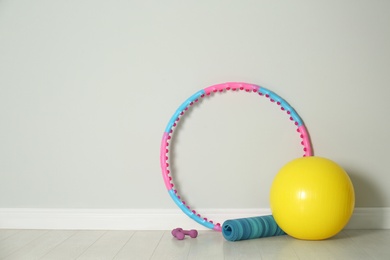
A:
x: 192, y: 233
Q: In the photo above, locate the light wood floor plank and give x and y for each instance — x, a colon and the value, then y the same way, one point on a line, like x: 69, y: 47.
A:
x: 107, y: 246
x: 17, y: 241
x: 61, y: 245
x: 337, y: 247
x: 40, y: 246
x: 375, y: 242
x: 74, y: 246
x: 278, y: 247
x: 170, y: 248
x: 248, y: 249
x: 140, y: 246
x: 5, y: 233
x: 208, y: 245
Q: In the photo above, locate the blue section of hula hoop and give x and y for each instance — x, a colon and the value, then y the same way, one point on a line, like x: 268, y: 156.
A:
x: 182, y: 108
x: 283, y: 104
x: 188, y: 212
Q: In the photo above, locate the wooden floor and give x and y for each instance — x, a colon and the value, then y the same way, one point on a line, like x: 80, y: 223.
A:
x: 67, y: 244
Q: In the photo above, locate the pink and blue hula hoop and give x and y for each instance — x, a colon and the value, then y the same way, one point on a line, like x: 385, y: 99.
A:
x: 233, y: 86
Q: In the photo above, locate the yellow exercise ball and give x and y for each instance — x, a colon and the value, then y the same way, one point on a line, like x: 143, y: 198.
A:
x: 312, y: 198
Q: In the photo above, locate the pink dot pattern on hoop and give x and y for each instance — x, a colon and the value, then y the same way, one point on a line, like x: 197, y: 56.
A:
x: 231, y: 86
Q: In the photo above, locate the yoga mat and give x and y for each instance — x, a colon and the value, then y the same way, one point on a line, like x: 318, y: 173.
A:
x: 250, y: 228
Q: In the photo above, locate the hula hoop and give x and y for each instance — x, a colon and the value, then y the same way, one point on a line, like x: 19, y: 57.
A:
x: 233, y: 86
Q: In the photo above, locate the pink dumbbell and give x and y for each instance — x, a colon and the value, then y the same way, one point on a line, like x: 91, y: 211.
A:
x: 179, y: 233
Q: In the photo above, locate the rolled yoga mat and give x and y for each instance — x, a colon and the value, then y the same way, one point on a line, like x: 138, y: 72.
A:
x: 250, y: 228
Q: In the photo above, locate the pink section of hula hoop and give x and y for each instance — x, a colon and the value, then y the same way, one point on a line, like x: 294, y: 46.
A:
x: 305, y: 140
x: 231, y: 85
x: 163, y: 161
x: 218, y: 228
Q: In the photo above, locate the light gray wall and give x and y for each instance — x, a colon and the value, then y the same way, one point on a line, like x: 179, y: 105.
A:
x: 87, y: 88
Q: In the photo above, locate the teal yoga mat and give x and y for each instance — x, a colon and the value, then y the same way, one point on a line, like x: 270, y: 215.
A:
x: 250, y: 228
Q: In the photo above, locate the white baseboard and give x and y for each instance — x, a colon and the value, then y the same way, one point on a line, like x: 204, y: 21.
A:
x: 370, y: 218
x: 153, y: 219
